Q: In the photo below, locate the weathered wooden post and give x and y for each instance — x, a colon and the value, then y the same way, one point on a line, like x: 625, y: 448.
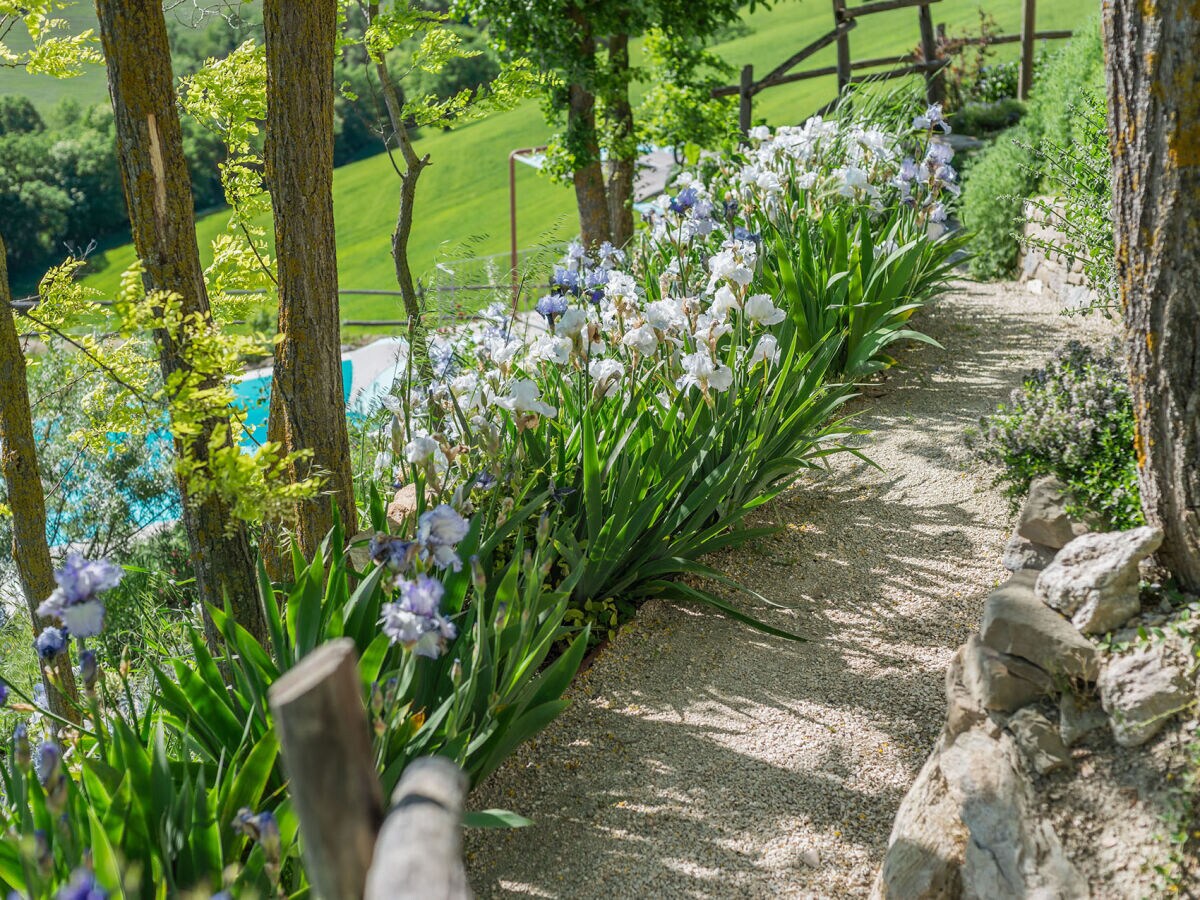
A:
x: 419, y: 851
x: 349, y: 849
x: 935, y: 87
x: 1028, y: 34
x: 746, y: 100
x: 843, y: 46
x: 326, y: 744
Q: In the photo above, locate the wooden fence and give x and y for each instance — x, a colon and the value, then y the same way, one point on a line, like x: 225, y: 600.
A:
x: 352, y: 847
x: 930, y: 61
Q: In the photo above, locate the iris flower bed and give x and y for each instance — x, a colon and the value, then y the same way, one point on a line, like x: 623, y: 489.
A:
x: 562, y: 473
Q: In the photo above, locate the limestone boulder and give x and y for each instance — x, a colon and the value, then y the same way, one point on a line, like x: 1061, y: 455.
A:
x: 1039, y: 740
x: 1094, y: 578
x: 1078, y: 717
x: 1044, y: 519
x: 1001, y: 682
x: 970, y: 827
x: 1142, y: 689
x: 403, y: 507
x: 1022, y: 553
x: 1017, y: 622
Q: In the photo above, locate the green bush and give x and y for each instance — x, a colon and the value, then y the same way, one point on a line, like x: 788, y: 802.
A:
x: 1006, y: 173
x: 1080, y: 188
x: 1072, y: 419
x: 981, y: 119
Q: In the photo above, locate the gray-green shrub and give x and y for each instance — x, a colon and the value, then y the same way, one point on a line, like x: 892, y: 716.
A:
x: 1006, y: 173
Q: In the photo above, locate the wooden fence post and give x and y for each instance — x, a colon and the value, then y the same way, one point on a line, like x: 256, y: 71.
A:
x: 935, y: 86
x: 843, y: 47
x: 746, y: 100
x: 326, y: 745
x: 1028, y: 33
x: 419, y: 851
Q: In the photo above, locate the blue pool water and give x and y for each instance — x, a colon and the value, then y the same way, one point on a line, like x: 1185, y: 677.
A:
x: 253, y: 396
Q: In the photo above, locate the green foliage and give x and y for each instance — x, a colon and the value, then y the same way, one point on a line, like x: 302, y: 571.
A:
x: 61, y: 184
x: 995, y: 187
x: 18, y: 115
x: 1078, y: 177
x: 984, y: 119
x: 678, y: 109
x: 1003, y: 176
x: 52, y: 49
x: 1072, y: 419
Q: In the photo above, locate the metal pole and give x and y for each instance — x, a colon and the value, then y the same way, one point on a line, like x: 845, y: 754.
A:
x: 512, y: 223
x: 746, y: 99
x: 1028, y: 32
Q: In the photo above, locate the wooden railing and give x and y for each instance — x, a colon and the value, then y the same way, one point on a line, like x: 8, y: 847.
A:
x: 353, y: 849
x: 931, y: 59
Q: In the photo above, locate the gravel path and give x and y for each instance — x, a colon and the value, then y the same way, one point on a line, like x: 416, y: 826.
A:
x: 702, y: 759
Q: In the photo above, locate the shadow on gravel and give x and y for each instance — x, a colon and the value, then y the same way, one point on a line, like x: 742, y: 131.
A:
x: 704, y: 760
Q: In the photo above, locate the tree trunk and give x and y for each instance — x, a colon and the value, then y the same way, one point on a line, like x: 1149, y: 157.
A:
x: 595, y: 227
x: 18, y: 459
x: 158, y: 193
x: 1153, y: 62
x: 411, y: 173
x: 623, y: 169
x: 308, y: 407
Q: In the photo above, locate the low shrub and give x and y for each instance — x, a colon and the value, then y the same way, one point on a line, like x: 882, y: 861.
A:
x: 985, y: 119
x: 1072, y: 419
x: 1005, y: 174
x: 1078, y: 178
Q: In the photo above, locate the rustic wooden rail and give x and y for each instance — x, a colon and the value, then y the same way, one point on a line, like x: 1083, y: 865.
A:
x: 930, y: 61
x: 352, y: 850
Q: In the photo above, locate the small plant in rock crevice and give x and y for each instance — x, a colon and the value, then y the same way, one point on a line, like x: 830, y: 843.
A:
x: 1072, y: 419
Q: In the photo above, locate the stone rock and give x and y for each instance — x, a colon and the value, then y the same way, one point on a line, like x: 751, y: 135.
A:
x: 356, y: 550
x: 1039, y: 741
x: 1140, y: 690
x: 1012, y: 852
x: 1001, y: 682
x: 1078, y: 717
x: 964, y: 708
x: 1094, y: 579
x: 924, y: 855
x: 1016, y: 622
x: 970, y: 827
x: 1022, y: 553
x: 1044, y: 518
x: 403, y: 506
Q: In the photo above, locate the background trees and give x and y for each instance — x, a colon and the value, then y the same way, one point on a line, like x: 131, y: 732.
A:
x: 585, y: 43
x: 1154, y: 123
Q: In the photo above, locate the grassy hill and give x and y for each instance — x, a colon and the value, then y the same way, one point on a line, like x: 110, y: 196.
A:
x: 463, y: 197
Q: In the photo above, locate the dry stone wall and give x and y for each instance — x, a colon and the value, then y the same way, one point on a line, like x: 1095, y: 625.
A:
x: 1030, y: 685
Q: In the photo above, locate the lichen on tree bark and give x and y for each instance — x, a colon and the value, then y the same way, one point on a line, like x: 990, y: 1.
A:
x: 158, y: 193
x: 1153, y: 67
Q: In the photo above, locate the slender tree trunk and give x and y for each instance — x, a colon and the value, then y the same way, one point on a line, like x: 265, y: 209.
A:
x: 158, y: 192
x: 18, y: 459
x: 308, y: 407
x: 595, y: 227
x: 1153, y: 62
x: 623, y: 167
x: 409, y: 175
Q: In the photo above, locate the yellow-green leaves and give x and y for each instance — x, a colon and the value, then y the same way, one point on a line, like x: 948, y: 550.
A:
x: 53, y: 52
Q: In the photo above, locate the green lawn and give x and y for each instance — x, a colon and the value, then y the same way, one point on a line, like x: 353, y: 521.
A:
x: 463, y: 197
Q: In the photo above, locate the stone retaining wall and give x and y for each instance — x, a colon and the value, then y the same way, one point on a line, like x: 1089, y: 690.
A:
x: 1030, y: 685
